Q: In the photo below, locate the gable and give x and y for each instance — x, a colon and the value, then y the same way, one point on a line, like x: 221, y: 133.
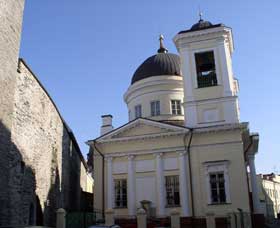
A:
x: 142, y: 127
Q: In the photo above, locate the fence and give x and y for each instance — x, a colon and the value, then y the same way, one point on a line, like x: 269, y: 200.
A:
x: 83, y: 219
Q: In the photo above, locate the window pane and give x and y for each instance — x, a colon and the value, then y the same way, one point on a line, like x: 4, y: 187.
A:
x: 120, y: 193
x: 176, y: 107
x: 155, y: 108
x: 222, y: 195
x: 217, y: 185
x: 138, y: 111
x: 172, y: 190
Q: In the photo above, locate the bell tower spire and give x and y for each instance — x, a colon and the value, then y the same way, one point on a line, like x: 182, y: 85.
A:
x: 210, y: 89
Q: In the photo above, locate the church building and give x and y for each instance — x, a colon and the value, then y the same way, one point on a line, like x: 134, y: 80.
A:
x: 184, y: 146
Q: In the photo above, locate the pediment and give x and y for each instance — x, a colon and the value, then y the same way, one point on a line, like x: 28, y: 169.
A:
x: 142, y: 127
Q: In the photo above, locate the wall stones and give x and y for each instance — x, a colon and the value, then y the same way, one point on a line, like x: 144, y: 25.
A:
x: 10, y: 28
x: 40, y: 160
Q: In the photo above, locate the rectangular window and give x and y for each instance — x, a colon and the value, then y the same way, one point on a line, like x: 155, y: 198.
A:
x: 120, y: 193
x: 155, y: 108
x: 138, y: 111
x: 176, y: 107
x: 205, y: 69
x: 172, y: 190
x: 217, y: 185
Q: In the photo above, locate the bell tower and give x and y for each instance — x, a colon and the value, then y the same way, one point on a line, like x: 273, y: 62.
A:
x: 210, y: 89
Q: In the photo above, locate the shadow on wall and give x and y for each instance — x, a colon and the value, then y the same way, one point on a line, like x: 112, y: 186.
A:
x: 65, y: 189
x: 18, y: 200
x: 19, y: 204
x: 71, y: 172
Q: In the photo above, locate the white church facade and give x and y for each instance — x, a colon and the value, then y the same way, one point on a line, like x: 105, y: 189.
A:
x: 184, y: 146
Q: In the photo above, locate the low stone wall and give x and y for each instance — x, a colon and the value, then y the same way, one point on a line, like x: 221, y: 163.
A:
x: 190, y: 222
x: 221, y: 222
x: 126, y: 223
x: 258, y: 221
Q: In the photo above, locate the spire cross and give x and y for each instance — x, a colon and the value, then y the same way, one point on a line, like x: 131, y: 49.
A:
x: 161, y: 38
x: 200, y: 14
x: 161, y: 49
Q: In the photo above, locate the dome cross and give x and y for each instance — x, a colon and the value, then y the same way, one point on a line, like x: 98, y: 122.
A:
x: 161, y: 49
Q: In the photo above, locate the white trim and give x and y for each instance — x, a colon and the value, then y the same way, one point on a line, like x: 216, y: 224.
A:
x: 165, y: 150
x: 211, y: 101
x: 139, y: 121
x: 183, y: 39
x: 151, y: 82
x: 141, y: 137
x: 214, y: 167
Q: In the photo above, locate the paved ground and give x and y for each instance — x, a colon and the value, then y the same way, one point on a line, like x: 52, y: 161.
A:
x: 275, y: 224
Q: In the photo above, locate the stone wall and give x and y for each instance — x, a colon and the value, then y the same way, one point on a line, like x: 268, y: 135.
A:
x: 10, y: 30
x: 41, y: 165
x: 48, y: 168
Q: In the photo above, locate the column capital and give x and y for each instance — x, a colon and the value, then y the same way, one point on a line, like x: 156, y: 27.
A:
x: 158, y: 155
x: 109, y: 159
x: 130, y: 157
x: 182, y: 153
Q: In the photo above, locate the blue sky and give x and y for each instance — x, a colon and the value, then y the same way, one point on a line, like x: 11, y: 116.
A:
x: 86, y: 51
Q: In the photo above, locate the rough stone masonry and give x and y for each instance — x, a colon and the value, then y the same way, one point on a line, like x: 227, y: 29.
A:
x: 41, y: 166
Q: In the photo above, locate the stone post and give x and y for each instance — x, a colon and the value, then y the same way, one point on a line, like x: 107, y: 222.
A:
x: 141, y: 218
x: 232, y: 219
x: 175, y: 218
x: 210, y: 220
x: 109, y: 217
x: 60, y: 218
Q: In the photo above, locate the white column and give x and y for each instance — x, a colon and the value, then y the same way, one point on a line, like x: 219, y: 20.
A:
x: 184, y: 199
x: 131, y: 187
x: 160, y: 186
x: 254, y: 184
x: 110, y: 184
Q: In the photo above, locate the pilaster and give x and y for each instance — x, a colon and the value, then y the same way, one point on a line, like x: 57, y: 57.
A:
x: 131, y: 186
x: 160, y: 185
x: 184, y: 199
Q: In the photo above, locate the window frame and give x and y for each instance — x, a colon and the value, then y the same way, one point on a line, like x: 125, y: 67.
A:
x: 123, y: 195
x: 176, y: 110
x: 217, y: 167
x: 156, y: 110
x: 174, y: 189
x: 138, y: 111
x: 215, y: 64
x: 218, y: 188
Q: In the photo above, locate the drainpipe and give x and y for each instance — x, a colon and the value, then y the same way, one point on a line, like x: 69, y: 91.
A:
x: 187, y: 148
x: 103, y: 176
x: 245, y: 152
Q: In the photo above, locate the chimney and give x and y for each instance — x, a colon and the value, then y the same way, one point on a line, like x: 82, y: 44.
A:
x: 106, y: 124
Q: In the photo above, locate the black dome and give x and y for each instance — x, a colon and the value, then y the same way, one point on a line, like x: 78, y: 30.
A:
x: 201, y: 24
x: 157, y: 65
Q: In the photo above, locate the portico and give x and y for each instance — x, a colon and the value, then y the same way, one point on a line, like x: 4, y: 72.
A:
x: 153, y: 169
